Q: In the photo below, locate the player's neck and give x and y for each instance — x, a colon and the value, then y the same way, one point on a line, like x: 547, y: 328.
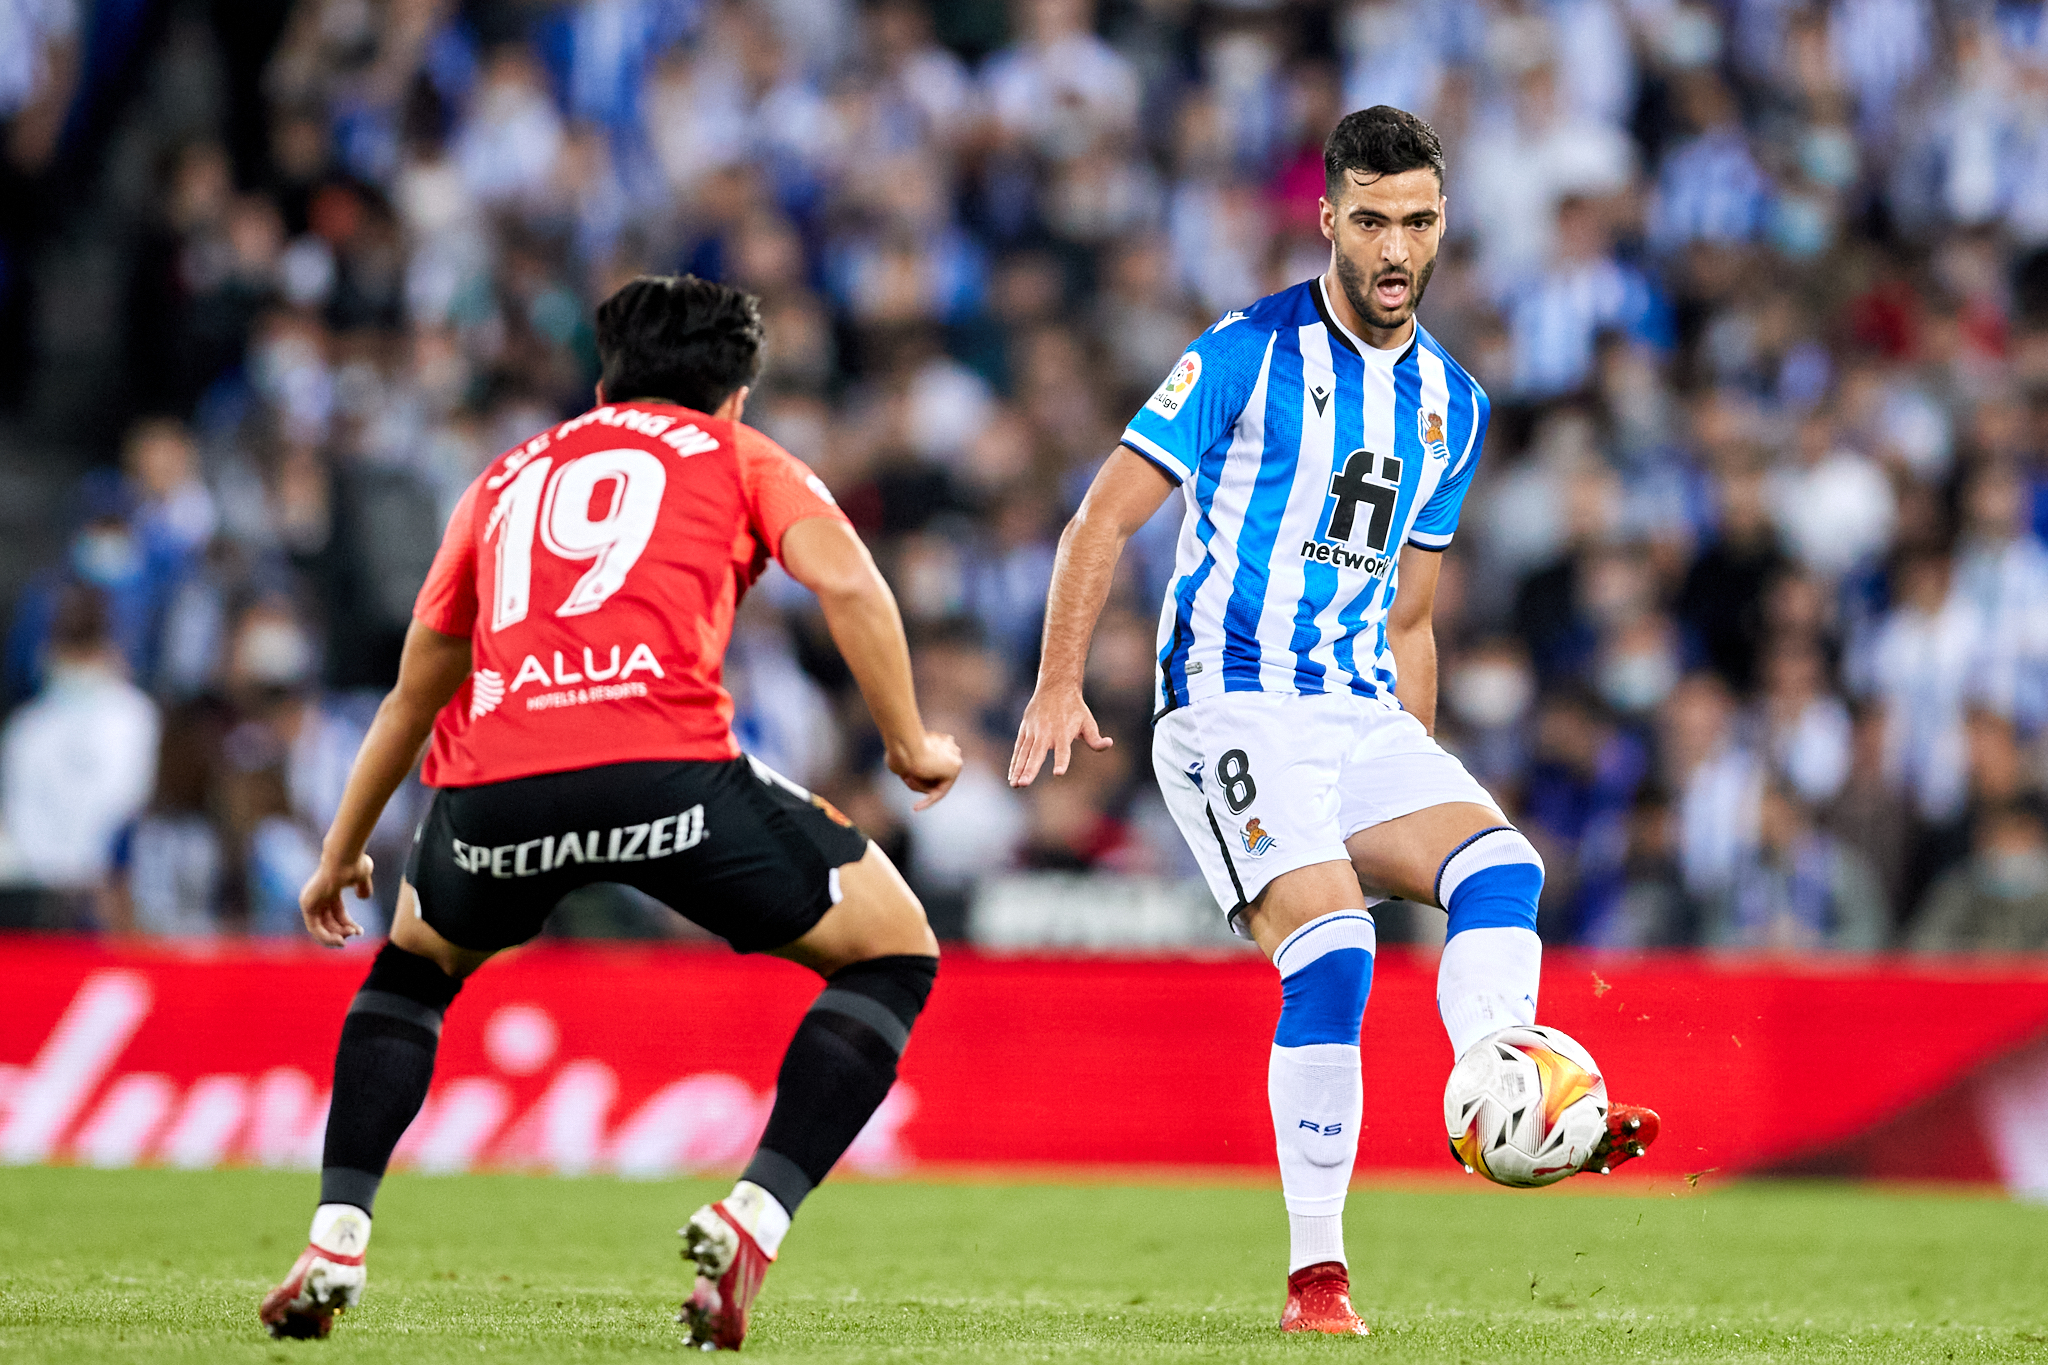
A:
x: 1379, y: 338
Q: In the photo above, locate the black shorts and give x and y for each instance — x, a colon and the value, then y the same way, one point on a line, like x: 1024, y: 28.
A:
x: 733, y: 846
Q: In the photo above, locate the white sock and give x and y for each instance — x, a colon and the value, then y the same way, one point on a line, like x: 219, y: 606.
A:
x: 1317, y: 1095
x: 1312, y: 1076
x: 1313, y: 1239
x: 1486, y: 981
x: 341, y: 1228
x: 1493, y: 961
x: 760, y: 1213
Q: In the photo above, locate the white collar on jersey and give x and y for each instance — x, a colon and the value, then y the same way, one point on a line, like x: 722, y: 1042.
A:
x: 1371, y: 354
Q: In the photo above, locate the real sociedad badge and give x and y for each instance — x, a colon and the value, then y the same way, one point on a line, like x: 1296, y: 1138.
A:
x: 1256, y: 840
x: 1432, y: 431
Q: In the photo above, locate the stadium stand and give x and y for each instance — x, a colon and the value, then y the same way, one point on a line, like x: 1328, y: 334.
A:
x: 1748, y: 626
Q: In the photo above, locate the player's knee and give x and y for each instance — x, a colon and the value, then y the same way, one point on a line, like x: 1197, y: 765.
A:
x: 904, y: 912
x: 1492, y: 880
x: 909, y: 937
x: 411, y: 932
x: 877, y: 913
x: 1325, y: 979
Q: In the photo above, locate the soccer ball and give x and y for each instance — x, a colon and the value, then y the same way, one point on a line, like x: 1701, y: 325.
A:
x: 1526, y: 1106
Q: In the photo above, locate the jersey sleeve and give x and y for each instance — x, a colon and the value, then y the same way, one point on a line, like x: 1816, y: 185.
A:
x: 447, y: 600
x: 780, y: 489
x: 1201, y: 399
x: 1438, y: 521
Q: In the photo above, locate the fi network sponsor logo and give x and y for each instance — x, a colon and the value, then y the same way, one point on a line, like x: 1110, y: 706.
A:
x: 1322, y: 552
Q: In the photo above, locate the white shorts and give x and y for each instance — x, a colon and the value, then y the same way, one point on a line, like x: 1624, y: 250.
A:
x: 1262, y: 783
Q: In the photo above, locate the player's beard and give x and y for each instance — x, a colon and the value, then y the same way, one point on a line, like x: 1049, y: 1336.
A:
x: 1358, y: 289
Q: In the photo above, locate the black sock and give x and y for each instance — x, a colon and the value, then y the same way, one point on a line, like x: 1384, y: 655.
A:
x: 381, y: 1071
x: 837, y: 1071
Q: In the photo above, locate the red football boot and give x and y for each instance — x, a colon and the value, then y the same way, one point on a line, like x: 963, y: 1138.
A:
x: 1319, y: 1300
x: 730, y: 1267
x: 327, y: 1278
x: 1631, y: 1128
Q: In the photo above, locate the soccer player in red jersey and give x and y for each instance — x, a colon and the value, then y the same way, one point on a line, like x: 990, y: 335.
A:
x: 564, y: 660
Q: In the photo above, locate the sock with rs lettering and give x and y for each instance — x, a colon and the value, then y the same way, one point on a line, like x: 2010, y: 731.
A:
x: 1312, y: 1078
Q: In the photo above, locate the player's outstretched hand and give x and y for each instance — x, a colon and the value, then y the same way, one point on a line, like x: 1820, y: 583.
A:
x: 1053, y: 721
x: 327, y: 919
x: 931, y: 769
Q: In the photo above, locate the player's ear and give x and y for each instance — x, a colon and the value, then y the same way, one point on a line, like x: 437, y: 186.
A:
x: 735, y: 404
x: 600, y: 393
x: 1328, y: 214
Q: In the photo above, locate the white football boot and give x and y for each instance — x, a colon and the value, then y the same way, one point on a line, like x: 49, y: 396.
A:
x: 328, y: 1276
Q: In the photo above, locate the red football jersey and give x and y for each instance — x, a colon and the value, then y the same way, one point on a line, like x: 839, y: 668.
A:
x: 595, y: 570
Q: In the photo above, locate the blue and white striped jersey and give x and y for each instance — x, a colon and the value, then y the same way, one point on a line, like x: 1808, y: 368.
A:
x: 1308, y: 459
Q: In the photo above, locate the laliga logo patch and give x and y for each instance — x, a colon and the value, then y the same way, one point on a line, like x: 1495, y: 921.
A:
x: 1167, y: 402
x: 1257, y: 842
x: 1431, y: 425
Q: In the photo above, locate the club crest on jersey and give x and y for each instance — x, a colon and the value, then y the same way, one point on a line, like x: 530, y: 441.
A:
x: 1257, y: 842
x: 1172, y: 395
x: 1431, y: 428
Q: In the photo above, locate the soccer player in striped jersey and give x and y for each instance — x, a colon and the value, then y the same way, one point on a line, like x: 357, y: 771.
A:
x: 1322, y: 442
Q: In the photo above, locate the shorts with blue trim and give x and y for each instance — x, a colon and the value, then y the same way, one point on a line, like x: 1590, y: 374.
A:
x: 1262, y: 783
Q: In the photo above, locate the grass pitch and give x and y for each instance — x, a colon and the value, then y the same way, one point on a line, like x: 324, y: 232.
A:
x: 156, y: 1266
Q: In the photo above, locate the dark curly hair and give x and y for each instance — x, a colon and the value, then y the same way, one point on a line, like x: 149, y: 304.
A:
x: 678, y: 338
x: 1380, y: 141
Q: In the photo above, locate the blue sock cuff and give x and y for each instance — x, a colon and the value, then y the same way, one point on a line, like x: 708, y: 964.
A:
x: 1325, y: 979
x: 1452, y: 857
x: 1502, y: 897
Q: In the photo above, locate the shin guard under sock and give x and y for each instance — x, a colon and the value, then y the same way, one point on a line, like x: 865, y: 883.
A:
x: 381, y: 1071
x: 1312, y: 1079
x: 1493, y: 961
x: 838, y: 1070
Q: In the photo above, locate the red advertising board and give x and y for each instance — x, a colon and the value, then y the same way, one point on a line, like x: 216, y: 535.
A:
x: 651, y: 1060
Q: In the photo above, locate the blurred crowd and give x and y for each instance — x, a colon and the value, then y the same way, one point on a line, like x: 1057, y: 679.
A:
x: 1747, y: 625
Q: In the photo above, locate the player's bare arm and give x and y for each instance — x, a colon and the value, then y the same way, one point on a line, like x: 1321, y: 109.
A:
x: 432, y: 667
x: 827, y: 557
x: 1126, y: 492
x: 1411, y: 633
